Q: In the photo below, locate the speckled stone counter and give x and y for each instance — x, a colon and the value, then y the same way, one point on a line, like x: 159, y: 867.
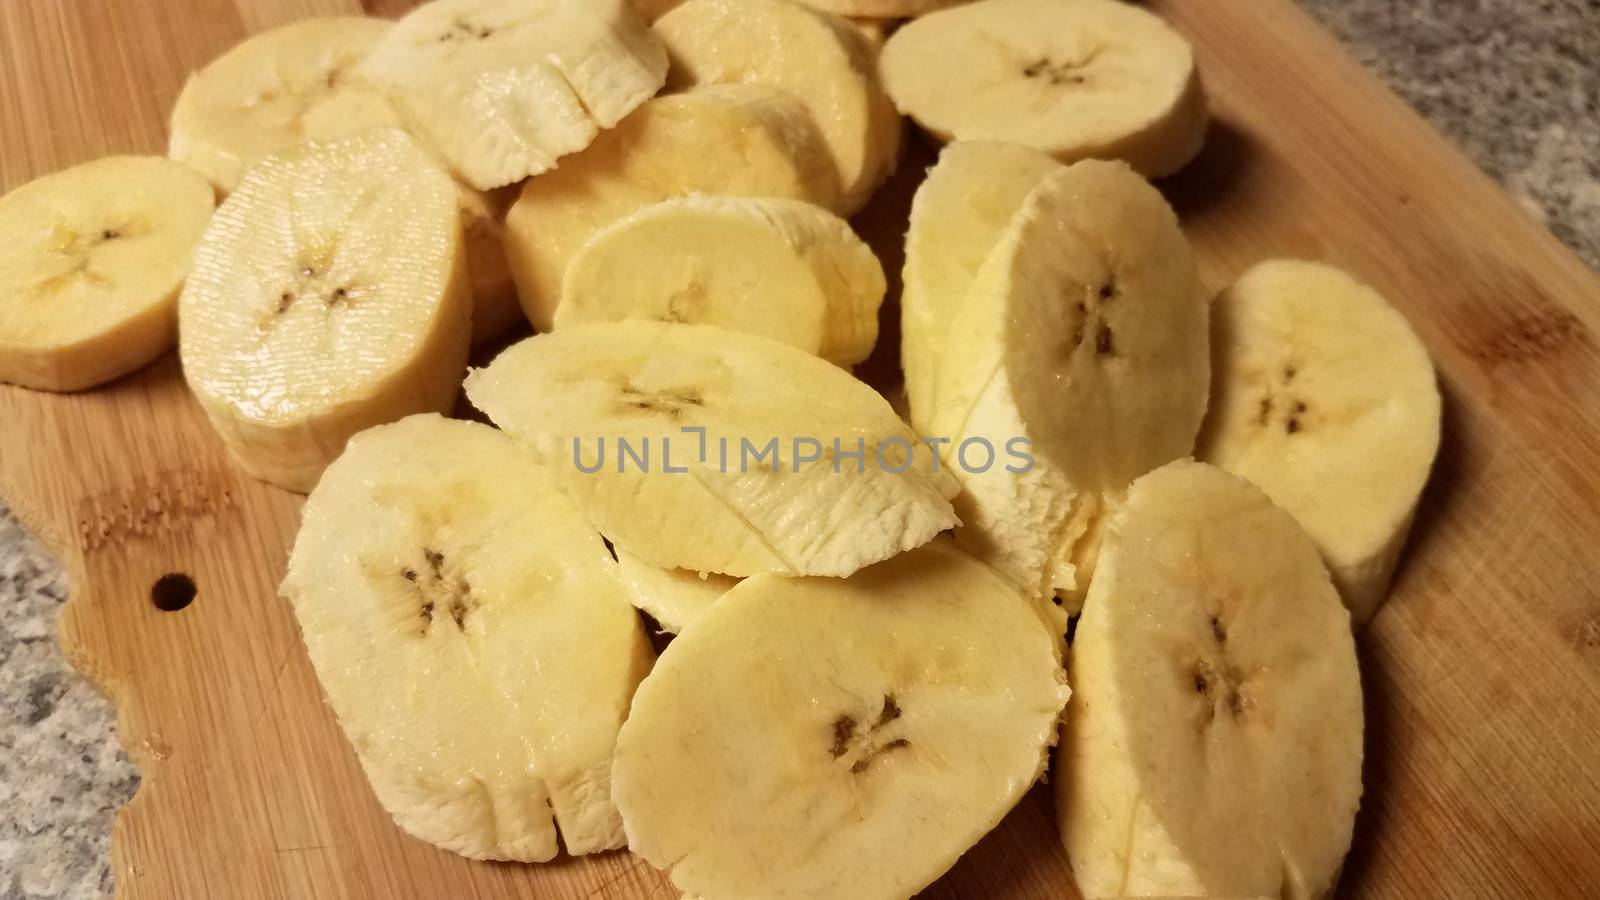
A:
x: 1515, y: 82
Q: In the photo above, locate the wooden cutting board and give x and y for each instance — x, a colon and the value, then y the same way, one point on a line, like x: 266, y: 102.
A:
x: 1482, y: 674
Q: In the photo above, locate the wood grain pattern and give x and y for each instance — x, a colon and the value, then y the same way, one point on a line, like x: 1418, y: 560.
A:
x: 1482, y: 673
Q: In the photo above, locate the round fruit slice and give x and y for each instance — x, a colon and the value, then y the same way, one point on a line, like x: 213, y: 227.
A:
x: 503, y: 88
x: 820, y: 59
x: 958, y: 215
x: 1083, y: 334
x: 783, y: 269
x: 470, y: 632
x: 1324, y: 398
x: 276, y: 89
x: 91, y: 260
x: 1213, y: 742
x: 329, y: 295
x: 695, y: 447
x: 1092, y: 79
x: 725, y: 140
x: 817, y: 738
x: 671, y: 596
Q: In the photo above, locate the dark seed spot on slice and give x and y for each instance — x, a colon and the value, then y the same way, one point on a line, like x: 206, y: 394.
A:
x: 1289, y: 372
x: 427, y: 614
x: 285, y: 300
x: 1292, y: 426
x: 1217, y: 631
x: 896, y: 744
x: 1265, y: 411
x: 459, y: 610
x: 891, y: 711
x: 1108, y: 290
x: 1102, y: 341
x: 110, y: 234
x: 1300, y: 407
x: 1235, y: 702
x: 435, y: 561
x: 339, y: 295
x: 409, y: 574
x: 844, y: 728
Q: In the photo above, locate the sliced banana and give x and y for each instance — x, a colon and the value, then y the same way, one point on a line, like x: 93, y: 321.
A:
x: 91, y: 260
x: 276, y: 89
x: 1087, y: 79
x: 957, y: 216
x: 734, y: 467
x: 328, y: 295
x: 1214, y: 739
x: 495, y: 307
x: 726, y: 140
x: 783, y: 269
x: 1326, y: 399
x: 671, y: 596
x: 818, y: 738
x: 820, y: 59
x: 471, y: 635
x: 1083, y: 334
x: 503, y: 88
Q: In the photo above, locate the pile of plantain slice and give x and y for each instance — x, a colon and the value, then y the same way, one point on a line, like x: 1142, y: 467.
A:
x: 1109, y: 513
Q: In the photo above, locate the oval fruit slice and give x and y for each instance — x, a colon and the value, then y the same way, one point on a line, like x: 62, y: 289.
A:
x: 91, y: 261
x: 503, y: 88
x: 820, y: 59
x: 1097, y: 79
x: 724, y: 140
x: 733, y: 466
x: 276, y: 89
x: 329, y: 295
x: 958, y: 215
x: 821, y: 738
x: 1084, y: 334
x: 782, y: 269
x: 1325, y: 398
x: 1213, y: 742
x: 471, y: 635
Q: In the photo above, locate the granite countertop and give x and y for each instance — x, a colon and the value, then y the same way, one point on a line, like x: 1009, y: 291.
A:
x: 1515, y: 82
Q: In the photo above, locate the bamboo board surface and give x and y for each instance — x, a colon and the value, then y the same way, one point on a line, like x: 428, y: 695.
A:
x: 1482, y: 674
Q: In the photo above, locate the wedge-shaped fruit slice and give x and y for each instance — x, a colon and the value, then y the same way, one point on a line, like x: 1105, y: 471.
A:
x: 503, y: 88
x: 817, y: 738
x: 958, y: 215
x: 1096, y: 79
x: 726, y: 140
x: 1084, y: 334
x: 328, y: 295
x: 276, y: 89
x: 783, y: 269
x: 671, y: 596
x: 91, y: 260
x: 1325, y: 398
x: 820, y: 59
x: 472, y: 637
x: 1213, y: 742
x: 735, y: 467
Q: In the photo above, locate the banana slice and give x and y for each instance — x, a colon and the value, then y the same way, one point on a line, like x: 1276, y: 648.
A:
x: 728, y: 140
x: 823, y: 739
x: 1213, y: 743
x: 503, y: 88
x: 820, y: 59
x: 742, y: 449
x: 472, y: 637
x: 1087, y: 79
x: 783, y: 269
x: 495, y: 307
x: 91, y: 260
x: 1326, y: 399
x: 276, y: 89
x: 671, y: 596
x: 957, y: 216
x: 329, y: 295
x: 1084, y: 335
